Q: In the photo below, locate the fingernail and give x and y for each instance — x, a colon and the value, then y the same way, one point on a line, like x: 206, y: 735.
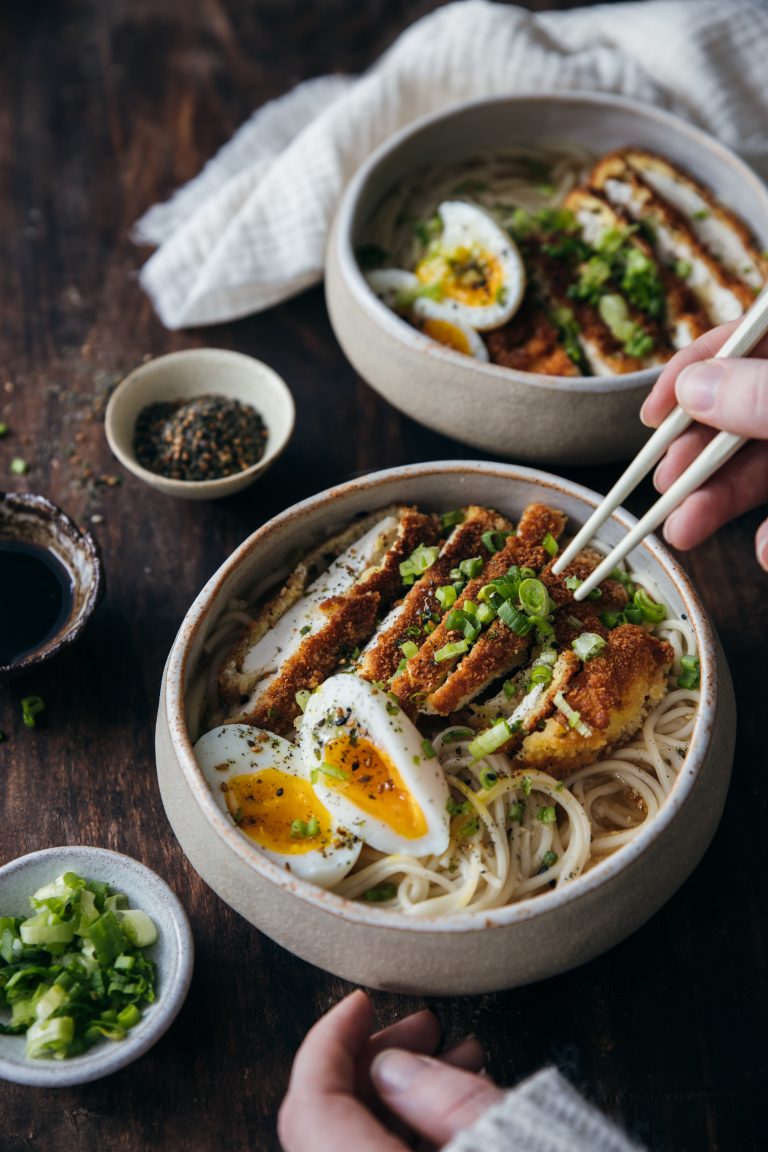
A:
x: 761, y: 545
x: 697, y: 386
x: 643, y: 418
x: 395, y: 1069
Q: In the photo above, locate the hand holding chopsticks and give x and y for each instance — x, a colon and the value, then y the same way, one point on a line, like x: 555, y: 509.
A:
x: 742, y: 340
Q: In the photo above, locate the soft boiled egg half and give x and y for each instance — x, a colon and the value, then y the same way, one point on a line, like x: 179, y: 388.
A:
x: 472, y: 273
x: 373, y: 770
x: 400, y: 291
x: 261, y: 782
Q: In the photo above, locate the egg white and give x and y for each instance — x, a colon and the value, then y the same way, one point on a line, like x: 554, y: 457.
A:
x: 348, y: 709
x: 467, y: 229
x: 233, y: 750
x: 399, y: 290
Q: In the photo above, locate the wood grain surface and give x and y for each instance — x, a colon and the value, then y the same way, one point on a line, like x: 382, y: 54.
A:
x: 105, y: 107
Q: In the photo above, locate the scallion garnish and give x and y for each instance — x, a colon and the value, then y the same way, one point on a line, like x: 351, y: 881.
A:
x: 550, y: 545
x: 572, y: 716
x: 491, y: 740
x: 495, y: 541
x: 448, y: 651
x: 457, y: 807
x: 691, y: 674
x: 31, y: 706
x: 534, y: 598
x: 328, y: 770
x: 19, y: 467
x: 418, y: 562
x: 652, y: 610
x: 446, y: 596
x: 471, y: 567
x: 302, y: 698
x: 515, y: 813
x: 488, y: 779
x: 547, y: 815
x: 427, y: 750
x: 521, y: 625
x: 588, y: 645
x: 451, y: 519
x: 470, y: 827
x: 409, y: 649
x: 381, y: 893
x: 548, y: 860
x: 540, y: 674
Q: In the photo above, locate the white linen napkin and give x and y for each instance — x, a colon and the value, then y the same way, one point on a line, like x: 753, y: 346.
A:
x: 251, y: 229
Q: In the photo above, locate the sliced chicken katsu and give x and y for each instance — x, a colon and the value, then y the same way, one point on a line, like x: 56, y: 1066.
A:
x: 608, y: 701
x: 530, y: 342
x: 677, y: 315
x: 715, y: 226
x: 300, y: 636
x: 445, y: 684
x: 420, y: 609
x: 581, y: 324
x: 724, y: 295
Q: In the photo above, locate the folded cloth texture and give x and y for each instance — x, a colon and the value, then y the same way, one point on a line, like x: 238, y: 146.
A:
x: 251, y: 230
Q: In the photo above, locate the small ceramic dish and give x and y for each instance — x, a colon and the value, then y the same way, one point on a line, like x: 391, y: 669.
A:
x: 466, y: 952
x: 187, y: 375
x: 507, y: 413
x: 172, y: 953
x: 32, y: 520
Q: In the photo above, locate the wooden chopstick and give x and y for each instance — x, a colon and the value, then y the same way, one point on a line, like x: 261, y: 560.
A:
x: 753, y: 327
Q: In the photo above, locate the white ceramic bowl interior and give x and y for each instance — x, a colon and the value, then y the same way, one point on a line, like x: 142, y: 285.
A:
x: 184, y: 376
x: 517, y: 415
x: 466, y: 953
x: 173, y: 954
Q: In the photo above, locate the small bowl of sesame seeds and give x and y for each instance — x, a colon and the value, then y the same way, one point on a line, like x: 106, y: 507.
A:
x: 200, y: 424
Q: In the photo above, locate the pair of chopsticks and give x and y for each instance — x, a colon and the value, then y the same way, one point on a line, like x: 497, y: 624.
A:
x: 752, y: 328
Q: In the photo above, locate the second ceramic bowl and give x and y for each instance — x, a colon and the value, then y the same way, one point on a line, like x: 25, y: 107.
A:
x: 515, y: 415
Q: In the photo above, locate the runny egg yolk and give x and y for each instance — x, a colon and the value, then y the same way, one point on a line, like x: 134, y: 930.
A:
x: 471, y: 276
x: 278, y: 811
x: 446, y: 333
x: 370, y: 782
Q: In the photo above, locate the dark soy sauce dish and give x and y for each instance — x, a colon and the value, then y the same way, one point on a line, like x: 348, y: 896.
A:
x: 51, y: 579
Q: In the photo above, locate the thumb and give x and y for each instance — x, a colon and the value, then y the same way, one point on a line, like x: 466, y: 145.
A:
x: 727, y: 394
x: 433, y: 1099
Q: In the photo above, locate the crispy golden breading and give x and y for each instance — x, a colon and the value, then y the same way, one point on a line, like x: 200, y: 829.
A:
x: 350, y: 620
x: 448, y: 685
x: 612, y: 694
x: 406, y: 621
x: 530, y: 342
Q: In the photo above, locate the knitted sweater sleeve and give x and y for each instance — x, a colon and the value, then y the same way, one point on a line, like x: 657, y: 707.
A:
x: 542, y: 1114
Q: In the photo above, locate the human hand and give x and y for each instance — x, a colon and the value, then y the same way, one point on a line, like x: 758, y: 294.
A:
x: 730, y: 395
x: 343, y: 1074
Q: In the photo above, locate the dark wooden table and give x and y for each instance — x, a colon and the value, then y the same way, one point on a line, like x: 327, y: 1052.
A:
x: 106, y: 107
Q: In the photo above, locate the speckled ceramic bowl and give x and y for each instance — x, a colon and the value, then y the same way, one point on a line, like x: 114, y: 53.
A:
x: 515, y: 415
x: 184, y: 376
x: 31, y: 519
x: 172, y: 953
x: 466, y: 953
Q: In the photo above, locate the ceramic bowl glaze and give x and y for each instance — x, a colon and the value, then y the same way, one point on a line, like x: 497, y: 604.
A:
x: 27, y: 518
x: 465, y: 953
x: 172, y: 954
x: 185, y: 376
x: 510, y: 414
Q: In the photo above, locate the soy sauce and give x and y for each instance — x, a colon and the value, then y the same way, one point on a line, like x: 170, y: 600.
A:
x: 35, y: 598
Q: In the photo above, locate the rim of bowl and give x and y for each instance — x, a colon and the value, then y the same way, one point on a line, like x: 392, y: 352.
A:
x: 173, y: 984
x: 543, y: 903
x: 403, y: 331
x: 275, y: 445
x: 89, y: 547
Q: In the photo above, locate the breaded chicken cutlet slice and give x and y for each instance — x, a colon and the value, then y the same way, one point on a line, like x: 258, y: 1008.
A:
x: 420, y: 609
x: 530, y: 342
x: 610, y: 698
x: 446, y: 685
x: 680, y: 317
x: 299, y: 637
x: 723, y: 295
x: 714, y: 225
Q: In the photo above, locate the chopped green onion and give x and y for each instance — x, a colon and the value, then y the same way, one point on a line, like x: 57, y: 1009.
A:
x: 448, y: 651
x: 488, y: 779
x: 548, y: 859
x: 418, y: 562
x: 428, y: 750
x: 682, y: 269
x: 302, y: 698
x: 550, y: 545
x: 485, y: 613
x: 652, y: 610
x: 572, y: 716
x: 515, y: 813
x: 30, y: 707
x: 588, y: 645
x: 451, y: 519
x: 691, y: 674
x: 624, y: 579
x: 572, y: 583
x: 495, y: 541
x: 510, y: 689
x: 546, y: 815
x: 3, y: 430
x: 470, y: 827
x: 381, y: 893
x: 409, y: 649
x: 456, y: 735
x: 490, y: 740
x: 330, y: 770
x: 526, y: 785
x: 534, y: 598
x: 540, y: 674
x: 458, y: 807
x: 701, y: 214
x: 19, y: 467
x: 446, y: 596
x: 472, y: 567
x: 521, y: 625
